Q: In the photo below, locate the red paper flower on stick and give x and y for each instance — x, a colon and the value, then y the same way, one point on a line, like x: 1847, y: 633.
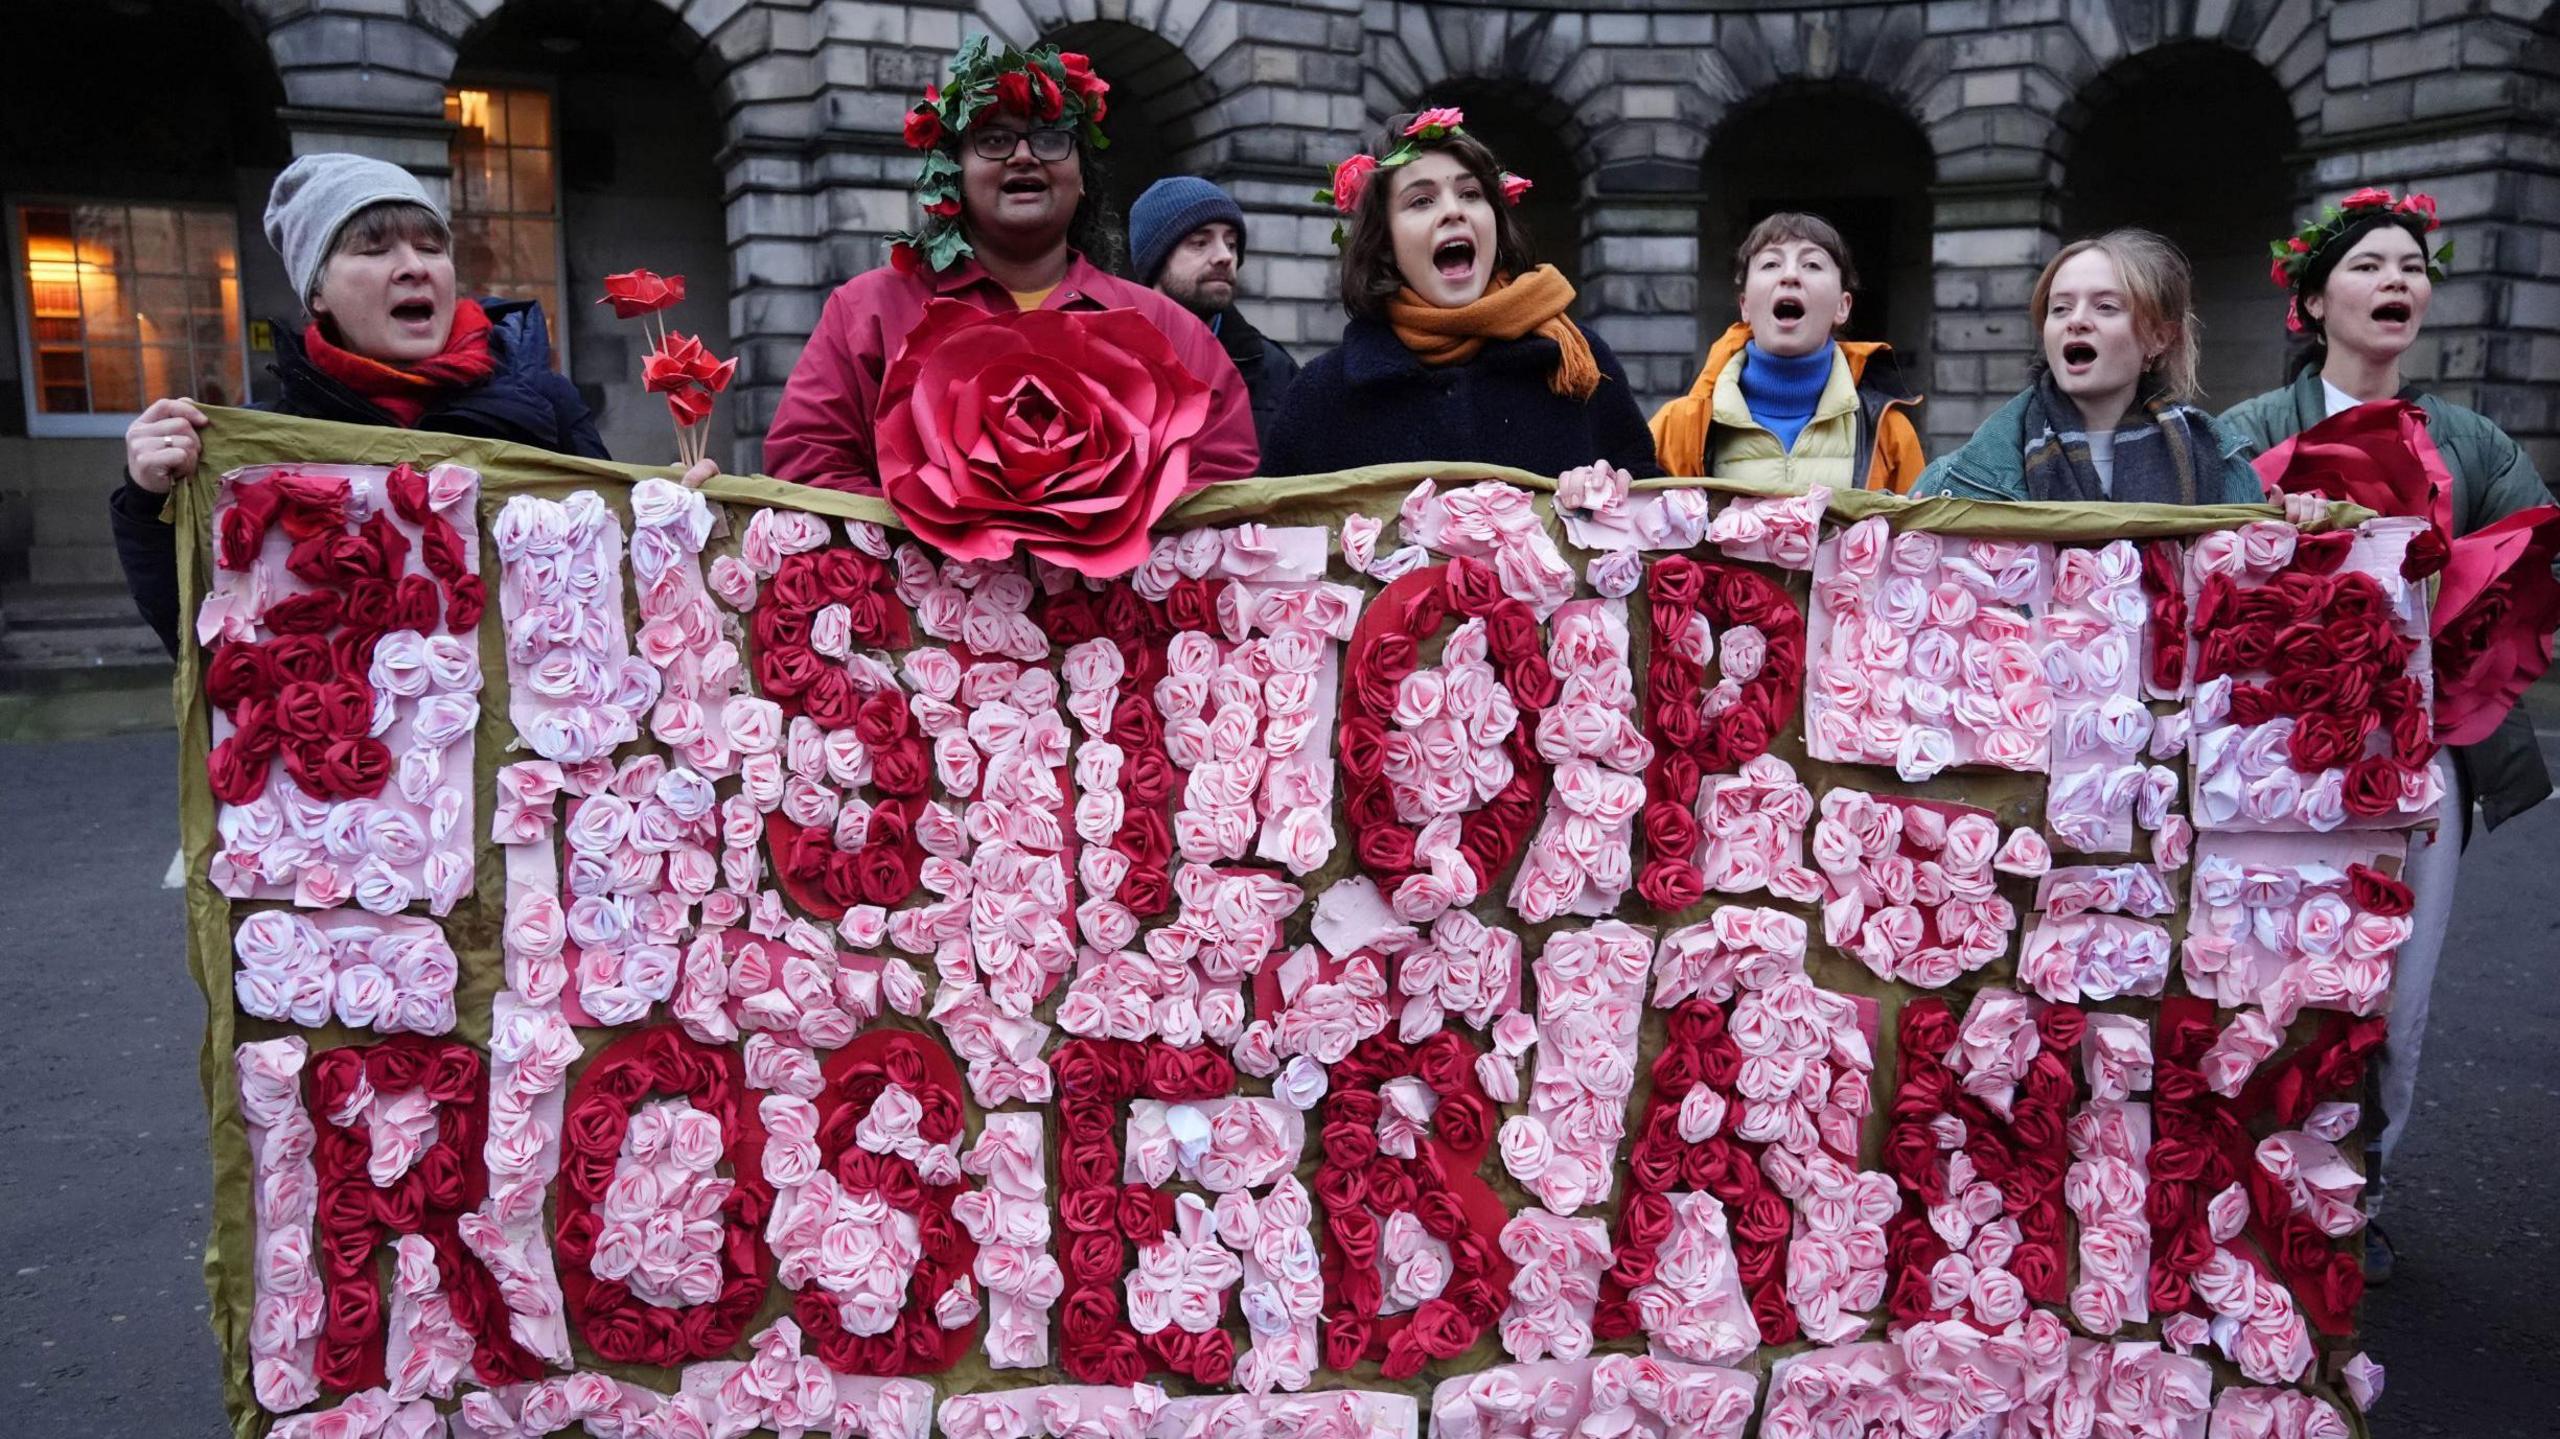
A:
x: 679, y: 367
x: 634, y: 293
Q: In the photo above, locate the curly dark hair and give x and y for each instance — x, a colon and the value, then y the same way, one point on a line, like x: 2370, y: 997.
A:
x: 1369, y: 274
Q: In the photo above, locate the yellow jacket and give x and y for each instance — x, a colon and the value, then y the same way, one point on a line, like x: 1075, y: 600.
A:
x: 1864, y: 411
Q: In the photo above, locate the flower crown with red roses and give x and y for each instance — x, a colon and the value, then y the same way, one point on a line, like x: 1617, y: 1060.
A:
x: 1044, y: 85
x: 1351, y: 177
x: 2294, y: 254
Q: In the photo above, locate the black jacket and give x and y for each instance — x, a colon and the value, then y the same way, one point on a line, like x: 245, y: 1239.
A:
x: 1371, y: 402
x: 1267, y: 369
x: 525, y: 402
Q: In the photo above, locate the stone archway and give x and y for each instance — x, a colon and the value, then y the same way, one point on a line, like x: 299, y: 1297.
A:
x: 2225, y: 195
x: 1157, y: 96
x: 1849, y: 155
x: 595, y: 115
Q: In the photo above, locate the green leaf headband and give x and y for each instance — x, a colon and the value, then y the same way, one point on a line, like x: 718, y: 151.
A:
x: 1043, y: 85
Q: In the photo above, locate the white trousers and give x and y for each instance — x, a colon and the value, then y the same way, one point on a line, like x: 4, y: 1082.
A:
x: 2433, y: 872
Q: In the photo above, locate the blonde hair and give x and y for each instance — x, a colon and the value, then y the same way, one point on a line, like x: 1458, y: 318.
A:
x: 2161, y: 286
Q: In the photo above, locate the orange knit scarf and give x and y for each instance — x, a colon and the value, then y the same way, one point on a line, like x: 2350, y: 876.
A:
x: 1508, y: 309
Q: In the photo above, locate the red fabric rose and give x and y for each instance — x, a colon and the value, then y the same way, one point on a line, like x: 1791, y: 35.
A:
x: 1067, y: 433
x: 244, y: 524
x: 2377, y: 893
x: 2373, y: 786
x: 1462, y: 1122
x: 236, y: 772
x: 1472, y: 588
x: 2322, y: 740
x: 340, y: 768
x: 1670, y: 885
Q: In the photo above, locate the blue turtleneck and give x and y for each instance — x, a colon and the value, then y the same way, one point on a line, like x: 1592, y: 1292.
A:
x: 1782, y: 390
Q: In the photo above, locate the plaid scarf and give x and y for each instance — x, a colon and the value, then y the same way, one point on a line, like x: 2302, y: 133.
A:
x: 2162, y: 450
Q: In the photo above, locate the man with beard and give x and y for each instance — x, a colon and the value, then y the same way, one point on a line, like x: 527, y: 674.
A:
x: 1186, y: 238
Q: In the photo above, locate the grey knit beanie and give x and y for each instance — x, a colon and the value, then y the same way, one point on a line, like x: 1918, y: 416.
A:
x: 316, y: 196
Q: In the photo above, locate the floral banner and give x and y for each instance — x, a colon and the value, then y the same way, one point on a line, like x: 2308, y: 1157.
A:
x: 1420, y: 954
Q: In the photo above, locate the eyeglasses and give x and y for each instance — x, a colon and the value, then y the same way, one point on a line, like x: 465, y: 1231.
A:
x: 994, y: 142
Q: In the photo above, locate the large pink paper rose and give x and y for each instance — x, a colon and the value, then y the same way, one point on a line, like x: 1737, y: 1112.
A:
x: 1064, y: 432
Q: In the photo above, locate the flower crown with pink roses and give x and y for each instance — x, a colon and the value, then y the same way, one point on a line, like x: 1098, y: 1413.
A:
x: 2295, y: 253
x: 1351, y: 177
x: 1044, y: 85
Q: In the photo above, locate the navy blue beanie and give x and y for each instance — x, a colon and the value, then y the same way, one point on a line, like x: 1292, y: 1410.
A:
x: 1170, y: 209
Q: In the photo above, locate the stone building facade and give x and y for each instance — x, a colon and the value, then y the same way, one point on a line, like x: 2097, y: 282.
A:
x: 754, y: 144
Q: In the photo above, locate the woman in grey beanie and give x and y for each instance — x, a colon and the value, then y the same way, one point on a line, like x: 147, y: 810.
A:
x: 389, y: 343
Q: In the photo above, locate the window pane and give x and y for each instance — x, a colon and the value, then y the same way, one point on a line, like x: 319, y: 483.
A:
x: 529, y: 118
x: 506, y: 235
x: 162, y: 306
x: 166, y: 370
x: 99, y: 231
x: 210, y: 324
x: 534, y: 252
x: 480, y: 173
x: 62, y: 382
x: 106, y: 306
x: 218, y: 378
x: 213, y: 240
x: 533, y: 193
x: 46, y: 222
x: 470, y: 253
x: 115, y: 384
x: 53, y: 276
x: 158, y: 246
x: 126, y: 303
x: 482, y: 115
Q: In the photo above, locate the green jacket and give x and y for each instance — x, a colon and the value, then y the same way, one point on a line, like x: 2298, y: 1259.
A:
x: 2492, y: 479
x: 1993, y: 464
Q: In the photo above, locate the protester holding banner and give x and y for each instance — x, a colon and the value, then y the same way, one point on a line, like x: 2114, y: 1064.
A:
x: 1459, y: 346
x: 2110, y: 415
x: 1782, y: 397
x: 1011, y: 223
x: 2361, y: 277
x: 390, y: 343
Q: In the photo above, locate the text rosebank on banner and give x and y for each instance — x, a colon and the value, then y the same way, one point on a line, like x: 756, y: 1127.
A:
x: 1406, y: 959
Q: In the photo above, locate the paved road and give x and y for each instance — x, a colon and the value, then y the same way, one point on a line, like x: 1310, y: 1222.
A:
x: 103, y: 1192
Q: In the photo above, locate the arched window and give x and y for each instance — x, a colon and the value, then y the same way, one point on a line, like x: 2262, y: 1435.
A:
x: 2226, y: 193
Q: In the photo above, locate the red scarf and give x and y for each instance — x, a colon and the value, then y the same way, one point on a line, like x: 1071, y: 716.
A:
x: 404, y: 392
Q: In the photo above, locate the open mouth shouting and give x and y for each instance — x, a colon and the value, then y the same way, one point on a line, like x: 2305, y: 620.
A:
x: 2391, y: 312
x: 417, y: 316
x: 1028, y: 186
x: 1786, y: 309
x: 2078, y: 356
x: 1455, y: 260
